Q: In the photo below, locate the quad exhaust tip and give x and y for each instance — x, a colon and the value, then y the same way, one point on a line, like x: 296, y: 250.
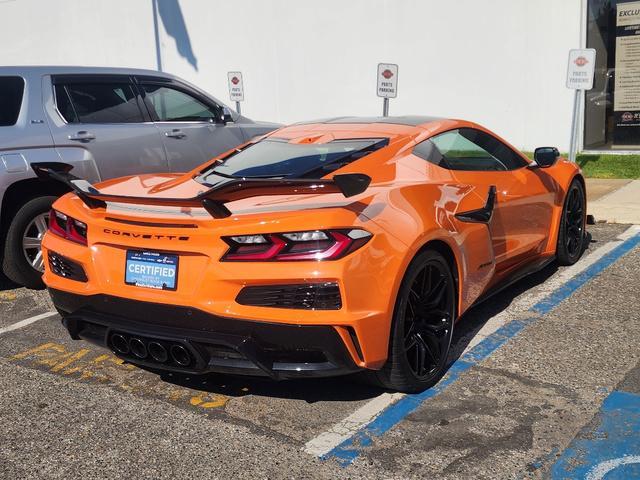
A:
x: 138, y: 348
x: 158, y: 352
x: 151, y: 350
x: 120, y: 343
x: 180, y: 355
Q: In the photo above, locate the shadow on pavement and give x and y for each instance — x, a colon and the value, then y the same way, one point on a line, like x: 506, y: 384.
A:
x: 6, y: 284
x: 475, y: 318
x: 311, y: 390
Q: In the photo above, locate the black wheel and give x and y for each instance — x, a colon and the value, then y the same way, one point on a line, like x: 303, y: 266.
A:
x: 572, y: 234
x: 422, y: 326
x: 23, y: 261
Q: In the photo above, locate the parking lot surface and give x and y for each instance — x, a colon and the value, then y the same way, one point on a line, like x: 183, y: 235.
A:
x: 544, y: 383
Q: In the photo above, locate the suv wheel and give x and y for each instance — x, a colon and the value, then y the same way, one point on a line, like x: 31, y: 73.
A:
x: 23, y: 261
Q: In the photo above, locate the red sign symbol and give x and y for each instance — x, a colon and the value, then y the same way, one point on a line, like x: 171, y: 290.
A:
x: 387, y: 74
x: 235, y: 80
x: 581, y: 61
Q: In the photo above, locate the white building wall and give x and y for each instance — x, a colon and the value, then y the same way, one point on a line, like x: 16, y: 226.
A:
x: 501, y: 63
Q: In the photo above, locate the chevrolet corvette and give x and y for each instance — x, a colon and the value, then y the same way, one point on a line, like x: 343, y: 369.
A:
x: 324, y: 248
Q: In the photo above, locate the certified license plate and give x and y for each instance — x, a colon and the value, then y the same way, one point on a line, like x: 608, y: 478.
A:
x: 151, y: 270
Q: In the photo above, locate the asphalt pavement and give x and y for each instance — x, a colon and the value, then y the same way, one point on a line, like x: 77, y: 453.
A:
x: 544, y: 383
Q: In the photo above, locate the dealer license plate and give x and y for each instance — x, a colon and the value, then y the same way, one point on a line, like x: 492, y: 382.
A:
x: 151, y: 270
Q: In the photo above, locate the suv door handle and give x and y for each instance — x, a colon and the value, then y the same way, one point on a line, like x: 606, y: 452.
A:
x: 175, y: 133
x: 82, y: 136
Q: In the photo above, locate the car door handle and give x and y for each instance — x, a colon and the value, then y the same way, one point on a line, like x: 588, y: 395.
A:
x: 175, y: 133
x: 82, y: 136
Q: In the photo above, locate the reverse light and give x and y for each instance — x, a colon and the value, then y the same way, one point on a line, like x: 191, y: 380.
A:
x: 295, y: 246
x: 67, y: 227
x: 306, y: 236
x: 249, y: 239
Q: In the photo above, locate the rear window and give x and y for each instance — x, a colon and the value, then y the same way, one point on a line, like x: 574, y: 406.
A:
x: 98, y: 103
x: 11, y: 92
x: 278, y: 158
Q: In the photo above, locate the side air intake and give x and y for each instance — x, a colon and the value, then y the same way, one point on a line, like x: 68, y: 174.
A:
x: 64, y: 267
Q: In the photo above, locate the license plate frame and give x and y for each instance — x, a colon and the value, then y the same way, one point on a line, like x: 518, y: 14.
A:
x: 155, y: 279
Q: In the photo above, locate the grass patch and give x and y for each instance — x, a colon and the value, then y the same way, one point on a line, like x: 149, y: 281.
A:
x: 606, y: 165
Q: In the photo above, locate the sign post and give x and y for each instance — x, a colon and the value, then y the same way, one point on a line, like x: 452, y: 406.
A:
x: 582, y: 63
x: 387, y: 84
x: 236, y: 89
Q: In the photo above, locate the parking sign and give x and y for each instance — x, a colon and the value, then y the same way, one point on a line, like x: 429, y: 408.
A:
x: 582, y: 64
x: 387, y: 80
x: 236, y: 88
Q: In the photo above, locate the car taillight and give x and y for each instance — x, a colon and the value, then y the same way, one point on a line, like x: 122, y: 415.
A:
x: 67, y: 227
x: 292, y: 246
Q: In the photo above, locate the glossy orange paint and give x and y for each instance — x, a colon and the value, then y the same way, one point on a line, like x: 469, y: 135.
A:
x: 410, y: 204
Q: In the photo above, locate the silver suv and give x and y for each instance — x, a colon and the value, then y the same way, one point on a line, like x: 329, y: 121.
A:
x: 106, y: 123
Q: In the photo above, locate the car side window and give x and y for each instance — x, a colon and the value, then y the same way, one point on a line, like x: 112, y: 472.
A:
x: 169, y: 104
x: 470, y: 150
x: 98, y: 103
x: 11, y: 92
x: 501, y: 152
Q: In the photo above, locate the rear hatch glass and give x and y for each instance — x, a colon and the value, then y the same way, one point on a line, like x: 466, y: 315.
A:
x: 277, y: 158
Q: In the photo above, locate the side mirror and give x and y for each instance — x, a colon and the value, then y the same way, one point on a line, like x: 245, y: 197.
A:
x: 226, y: 116
x: 546, y: 156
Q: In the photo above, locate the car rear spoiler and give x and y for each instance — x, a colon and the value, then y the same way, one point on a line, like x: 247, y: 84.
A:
x: 214, y: 199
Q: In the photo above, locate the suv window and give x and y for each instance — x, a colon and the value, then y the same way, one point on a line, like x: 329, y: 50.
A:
x: 172, y: 105
x: 98, y: 103
x: 469, y: 149
x: 11, y: 92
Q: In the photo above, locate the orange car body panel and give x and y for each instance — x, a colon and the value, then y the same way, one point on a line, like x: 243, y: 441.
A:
x: 409, y: 203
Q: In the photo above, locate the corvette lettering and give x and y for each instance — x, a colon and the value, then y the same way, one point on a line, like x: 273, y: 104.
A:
x: 146, y: 236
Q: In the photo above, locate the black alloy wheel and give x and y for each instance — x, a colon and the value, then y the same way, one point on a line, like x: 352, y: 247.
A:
x: 427, y: 320
x: 422, y: 326
x: 571, y: 238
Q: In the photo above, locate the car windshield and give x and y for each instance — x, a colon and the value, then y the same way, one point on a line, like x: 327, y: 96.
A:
x: 277, y: 158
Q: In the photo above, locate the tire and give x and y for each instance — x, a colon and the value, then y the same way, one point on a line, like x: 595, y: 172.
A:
x: 572, y: 233
x: 432, y: 330
x: 27, y: 222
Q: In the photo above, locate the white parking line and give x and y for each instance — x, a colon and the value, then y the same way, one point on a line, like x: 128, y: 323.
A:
x: 26, y: 321
x: 338, y: 433
x: 629, y: 232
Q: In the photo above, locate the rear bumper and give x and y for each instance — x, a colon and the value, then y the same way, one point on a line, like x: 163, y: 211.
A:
x: 215, y: 344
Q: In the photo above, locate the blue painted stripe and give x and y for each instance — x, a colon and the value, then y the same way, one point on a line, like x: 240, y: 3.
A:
x: 613, y: 443
x: 348, y: 451
x: 555, y: 298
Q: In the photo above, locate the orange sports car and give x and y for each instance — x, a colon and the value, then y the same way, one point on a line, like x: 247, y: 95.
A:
x: 320, y: 249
